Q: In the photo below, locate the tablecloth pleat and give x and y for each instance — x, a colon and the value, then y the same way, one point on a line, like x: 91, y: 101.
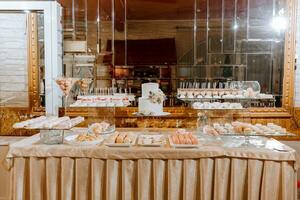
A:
x: 175, y: 179
x: 255, y: 171
x: 82, y: 179
x: 145, y: 179
x: 206, y: 171
x: 67, y: 178
x: 288, y: 181
x: 160, y: 179
x: 98, y: 177
x: 113, y: 179
x: 37, y: 178
x: 271, y: 172
x: 21, y: 177
x: 129, y: 179
x: 53, y: 172
x: 189, y: 179
x: 238, y: 179
x: 221, y: 178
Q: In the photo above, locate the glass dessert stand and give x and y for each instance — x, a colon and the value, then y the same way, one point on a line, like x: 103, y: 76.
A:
x: 245, y: 102
x: 244, y: 140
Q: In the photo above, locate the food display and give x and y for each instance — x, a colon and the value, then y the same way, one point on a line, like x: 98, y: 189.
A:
x: 198, y: 93
x: 101, y: 128
x: 84, y: 84
x: 84, y: 139
x: 151, y: 102
x: 216, y: 105
x: 66, y: 84
x: 151, y: 140
x: 123, y: 139
x: 243, y: 128
x: 227, y: 90
x: 52, y: 122
x: 184, y: 139
x: 116, y: 100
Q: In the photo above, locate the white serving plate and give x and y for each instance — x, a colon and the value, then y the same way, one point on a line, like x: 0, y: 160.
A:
x: 71, y: 139
x: 182, y: 145
x: 140, y: 141
x: 122, y: 144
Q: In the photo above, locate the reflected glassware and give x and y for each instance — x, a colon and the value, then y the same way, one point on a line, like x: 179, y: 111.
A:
x: 237, y: 85
x: 84, y: 84
x: 66, y: 84
x: 201, y: 122
x: 251, y: 86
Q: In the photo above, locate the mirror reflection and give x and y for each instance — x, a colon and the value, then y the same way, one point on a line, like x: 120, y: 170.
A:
x: 176, y: 43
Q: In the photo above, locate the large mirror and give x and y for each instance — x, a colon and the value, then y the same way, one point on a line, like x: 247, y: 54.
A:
x: 123, y: 43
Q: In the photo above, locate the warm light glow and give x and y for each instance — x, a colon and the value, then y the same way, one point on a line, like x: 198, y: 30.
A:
x: 235, y: 26
x: 279, y: 22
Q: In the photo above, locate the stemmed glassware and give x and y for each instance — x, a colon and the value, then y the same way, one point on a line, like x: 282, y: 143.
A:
x: 66, y: 84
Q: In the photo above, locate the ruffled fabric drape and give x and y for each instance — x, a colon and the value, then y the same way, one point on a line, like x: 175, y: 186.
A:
x: 66, y: 172
x: 154, y: 179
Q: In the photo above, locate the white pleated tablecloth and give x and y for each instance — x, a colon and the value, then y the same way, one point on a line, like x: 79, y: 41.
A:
x: 98, y: 172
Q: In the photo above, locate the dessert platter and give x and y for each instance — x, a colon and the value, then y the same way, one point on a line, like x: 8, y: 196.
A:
x: 116, y: 100
x: 211, y: 94
x: 247, y: 93
x: 243, y: 128
x: 84, y: 139
x: 151, y: 102
x: 216, y: 106
x: 104, y: 97
x: 51, y: 122
x: 121, y: 139
x: 183, y: 139
x: 157, y: 140
x: 102, y: 128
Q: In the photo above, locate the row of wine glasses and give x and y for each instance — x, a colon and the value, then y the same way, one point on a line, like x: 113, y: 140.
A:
x: 204, y: 85
x: 239, y: 85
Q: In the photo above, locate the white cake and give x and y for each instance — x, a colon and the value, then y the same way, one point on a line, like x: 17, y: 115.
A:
x: 151, y: 102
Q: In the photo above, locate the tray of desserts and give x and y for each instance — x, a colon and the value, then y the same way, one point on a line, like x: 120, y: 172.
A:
x: 183, y: 139
x: 101, y: 128
x: 49, y: 123
x: 237, y: 128
x: 217, y: 106
x: 117, y: 100
x: 158, y: 140
x: 84, y: 139
x: 121, y: 139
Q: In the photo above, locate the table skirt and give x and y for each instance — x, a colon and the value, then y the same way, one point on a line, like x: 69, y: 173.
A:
x: 217, y: 178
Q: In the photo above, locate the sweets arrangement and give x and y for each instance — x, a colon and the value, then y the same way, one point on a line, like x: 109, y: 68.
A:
x: 100, y: 128
x: 84, y: 139
x: 151, y: 140
x: 66, y: 84
x: 183, y: 138
x: 116, y: 100
x: 84, y: 84
x: 52, y: 122
x: 198, y: 93
x: 87, y: 137
x: 121, y: 139
x: 243, y: 128
x: 216, y: 105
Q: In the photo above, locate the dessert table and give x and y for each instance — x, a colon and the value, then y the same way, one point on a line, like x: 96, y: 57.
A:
x: 212, y: 171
